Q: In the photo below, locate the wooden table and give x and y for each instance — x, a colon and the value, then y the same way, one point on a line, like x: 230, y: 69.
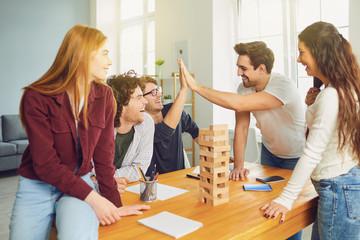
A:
x: 240, y: 218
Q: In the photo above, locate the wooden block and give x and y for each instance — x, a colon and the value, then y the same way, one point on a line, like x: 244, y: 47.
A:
x: 205, y: 132
x: 213, y: 171
x: 219, y: 138
x: 216, y: 132
x: 218, y: 126
x: 214, y: 189
x: 224, y: 148
x: 209, y: 154
x: 210, y: 163
x: 215, y: 138
x: 205, y: 193
x: 215, y: 160
x: 214, y: 179
x: 214, y: 200
x: 208, y: 193
x: 213, y: 155
x: 212, y: 143
x: 213, y: 164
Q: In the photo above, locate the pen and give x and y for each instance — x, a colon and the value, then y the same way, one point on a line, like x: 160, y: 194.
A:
x: 156, y: 176
x: 141, y: 174
x: 153, y: 173
x: 192, y: 176
x: 152, y: 176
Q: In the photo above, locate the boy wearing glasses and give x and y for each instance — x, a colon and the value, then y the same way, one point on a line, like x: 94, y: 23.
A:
x: 170, y: 122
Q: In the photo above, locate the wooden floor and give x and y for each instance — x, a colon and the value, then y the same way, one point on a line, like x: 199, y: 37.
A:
x: 8, y: 186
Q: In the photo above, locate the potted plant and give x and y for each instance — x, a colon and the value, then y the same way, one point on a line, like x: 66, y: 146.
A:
x: 167, y: 99
x: 159, y: 63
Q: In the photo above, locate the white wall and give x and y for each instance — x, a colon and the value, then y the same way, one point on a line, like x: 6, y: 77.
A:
x: 354, y: 26
x: 208, y: 28
x: 31, y: 33
x: 192, y: 21
x: 224, y: 57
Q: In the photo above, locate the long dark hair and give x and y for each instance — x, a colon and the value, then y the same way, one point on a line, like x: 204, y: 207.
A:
x: 336, y: 61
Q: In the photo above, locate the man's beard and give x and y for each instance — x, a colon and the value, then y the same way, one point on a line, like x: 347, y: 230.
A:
x: 247, y: 83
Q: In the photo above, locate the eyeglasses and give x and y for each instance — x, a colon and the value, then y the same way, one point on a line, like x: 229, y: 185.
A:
x: 154, y: 92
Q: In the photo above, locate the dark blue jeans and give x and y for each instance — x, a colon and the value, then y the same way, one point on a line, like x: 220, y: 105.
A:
x: 269, y: 159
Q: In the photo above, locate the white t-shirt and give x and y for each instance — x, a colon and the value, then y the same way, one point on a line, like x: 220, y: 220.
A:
x: 321, y: 160
x: 282, y: 128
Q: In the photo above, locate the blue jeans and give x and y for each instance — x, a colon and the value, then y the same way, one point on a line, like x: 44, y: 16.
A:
x: 35, y: 207
x: 269, y: 159
x: 338, y: 212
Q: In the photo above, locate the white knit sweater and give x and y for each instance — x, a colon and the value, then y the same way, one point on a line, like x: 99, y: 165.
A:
x: 140, y: 150
x: 320, y: 160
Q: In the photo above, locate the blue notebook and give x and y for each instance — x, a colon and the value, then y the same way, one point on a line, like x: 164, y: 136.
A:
x: 257, y: 187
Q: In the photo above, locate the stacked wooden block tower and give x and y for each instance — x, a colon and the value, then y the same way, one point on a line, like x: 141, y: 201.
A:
x: 214, y: 164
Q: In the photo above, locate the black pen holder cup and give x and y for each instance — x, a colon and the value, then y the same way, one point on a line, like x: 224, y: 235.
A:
x: 148, y: 191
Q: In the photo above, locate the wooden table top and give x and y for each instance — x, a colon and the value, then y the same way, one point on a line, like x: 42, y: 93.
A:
x: 240, y: 218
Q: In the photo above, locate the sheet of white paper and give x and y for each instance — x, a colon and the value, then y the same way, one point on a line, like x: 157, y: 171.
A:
x: 196, y: 170
x: 163, y: 191
x: 171, y: 224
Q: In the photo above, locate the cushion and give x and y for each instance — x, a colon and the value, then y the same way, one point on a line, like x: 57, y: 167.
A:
x: 20, y: 145
x: 7, y: 149
x: 12, y: 128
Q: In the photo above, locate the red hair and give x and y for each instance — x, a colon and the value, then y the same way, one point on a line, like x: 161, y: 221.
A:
x: 71, y: 62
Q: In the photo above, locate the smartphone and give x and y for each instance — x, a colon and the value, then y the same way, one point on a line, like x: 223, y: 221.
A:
x: 257, y: 187
x: 317, y: 82
x: 270, y: 179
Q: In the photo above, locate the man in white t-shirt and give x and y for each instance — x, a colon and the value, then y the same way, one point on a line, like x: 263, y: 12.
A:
x: 275, y: 103
x: 273, y: 100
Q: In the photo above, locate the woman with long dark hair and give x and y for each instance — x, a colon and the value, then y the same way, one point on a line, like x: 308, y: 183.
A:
x: 332, y: 150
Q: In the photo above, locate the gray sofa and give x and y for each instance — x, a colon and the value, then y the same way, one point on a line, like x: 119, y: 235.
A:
x: 13, y: 141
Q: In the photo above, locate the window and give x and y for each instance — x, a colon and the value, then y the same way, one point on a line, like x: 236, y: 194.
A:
x: 278, y: 23
x: 333, y: 11
x: 130, y: 27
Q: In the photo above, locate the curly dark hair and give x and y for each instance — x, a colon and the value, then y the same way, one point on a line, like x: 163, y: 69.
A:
x: 123, y: 86
x: 258, y: 53
x: 335, y: 59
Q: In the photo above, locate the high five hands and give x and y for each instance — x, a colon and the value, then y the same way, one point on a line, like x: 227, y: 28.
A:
x: 193, y: 85
x: 182, y: 76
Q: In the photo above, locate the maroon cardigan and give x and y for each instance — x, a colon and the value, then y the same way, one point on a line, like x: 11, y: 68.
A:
x: 52, y: 153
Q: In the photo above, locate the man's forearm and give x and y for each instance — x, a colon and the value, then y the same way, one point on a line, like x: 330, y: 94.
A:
x: 224, y: 99
x: 240, y: 138
x: 172, y: 118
